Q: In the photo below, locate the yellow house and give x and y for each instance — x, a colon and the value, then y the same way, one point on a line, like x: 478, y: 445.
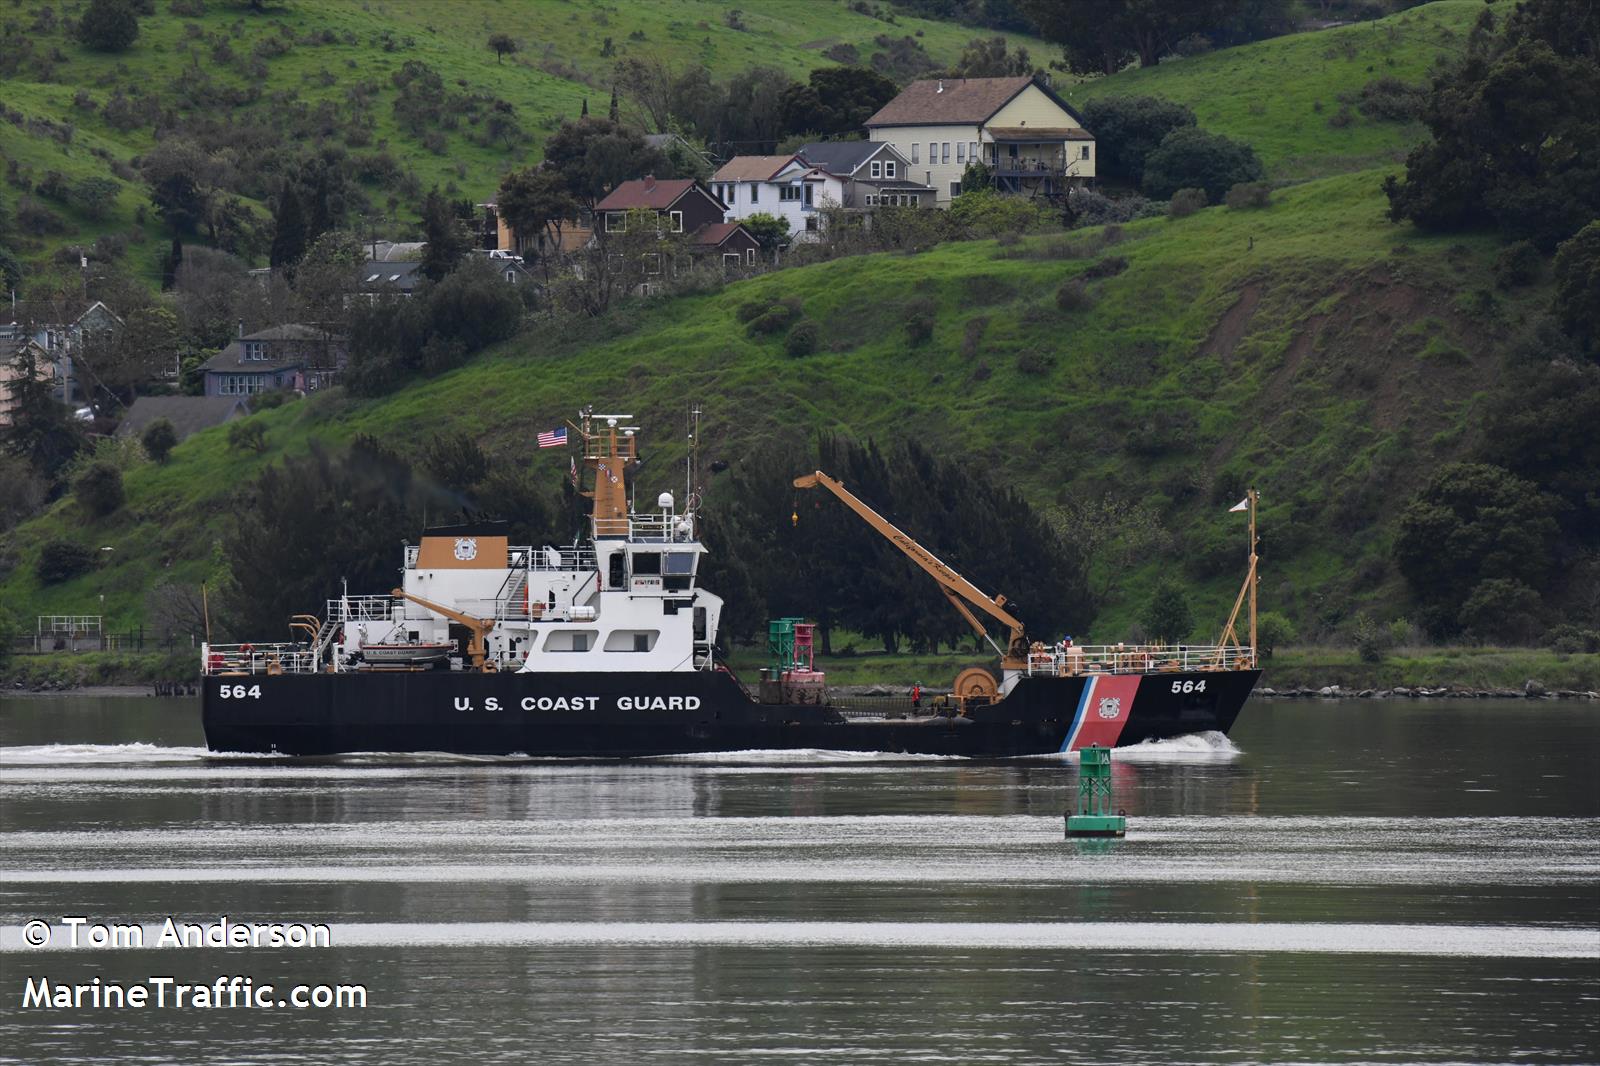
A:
x: 1032, y: 141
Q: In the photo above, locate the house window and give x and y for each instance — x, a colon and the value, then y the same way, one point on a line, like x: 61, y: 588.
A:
x: 255, y: 350
x: 730, y: 259
x: 755, y: 191
x: 872, y: 201
x: 888, y: 168
x: 916, y: 152
x: 511, y: 277
x: 1085, y: 152
x: 972, y: 151
x: 811, y: 223
x: 750, y: 256
x: 808, y: 195
x: 652, y: 263
x: 789, y: 193
x: 961, y: 151
x: 944, y: 155
x: 913, y: 200
x: 955, y: 189
x: 677, y: 221
x: 877, y: 168
x: 616, y: 222
x: 241, y: 384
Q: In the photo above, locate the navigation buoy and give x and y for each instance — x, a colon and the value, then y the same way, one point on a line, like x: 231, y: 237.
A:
x: 1094, y: 817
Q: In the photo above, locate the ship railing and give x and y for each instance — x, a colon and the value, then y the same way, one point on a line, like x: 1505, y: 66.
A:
x: 661, y: 526
x: 1056, y: 660
x: 575, y: 557
x: 362, y: 609
x: 233, y: 659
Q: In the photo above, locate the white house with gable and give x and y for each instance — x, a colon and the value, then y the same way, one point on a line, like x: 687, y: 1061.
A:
x: 1032, y: 140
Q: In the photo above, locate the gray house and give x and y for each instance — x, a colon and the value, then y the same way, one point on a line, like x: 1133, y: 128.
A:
x: 188, y: 414
x: 291, y: 356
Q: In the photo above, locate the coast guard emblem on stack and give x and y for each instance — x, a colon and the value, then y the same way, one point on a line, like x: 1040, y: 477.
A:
x: 1110, y: 707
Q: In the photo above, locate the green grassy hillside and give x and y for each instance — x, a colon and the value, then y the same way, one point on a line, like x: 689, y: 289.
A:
x: 1311, y: 348
x: 1283, y: 95
x: 342, y: 54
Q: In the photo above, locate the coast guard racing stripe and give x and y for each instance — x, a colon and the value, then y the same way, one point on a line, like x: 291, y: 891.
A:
x: 1103, y: 711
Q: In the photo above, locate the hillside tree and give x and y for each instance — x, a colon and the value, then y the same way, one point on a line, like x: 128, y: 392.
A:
x: 108, y: 25
x: 1128, y: 128
x: 595, y: 155
x: 535, y: 202
x: 1190, y: 158
x: 503, y: 45
x: 288, y: 228
x: 1578, y: 287
x: 446, y: 236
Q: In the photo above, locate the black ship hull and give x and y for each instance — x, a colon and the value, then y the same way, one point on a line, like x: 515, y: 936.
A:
x: 618, y: 715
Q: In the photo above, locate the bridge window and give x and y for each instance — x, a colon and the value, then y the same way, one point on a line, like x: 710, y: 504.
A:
x: 571, y: 640
x: 632, y: 640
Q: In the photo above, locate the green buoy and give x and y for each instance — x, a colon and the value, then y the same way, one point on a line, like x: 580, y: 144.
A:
x: 1094, y: 817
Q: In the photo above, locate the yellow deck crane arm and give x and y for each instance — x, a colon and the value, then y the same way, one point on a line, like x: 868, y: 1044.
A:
x: 957, y: 589
x: 477, y: 654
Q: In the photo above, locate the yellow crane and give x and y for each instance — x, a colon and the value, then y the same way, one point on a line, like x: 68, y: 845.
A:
x: 955, y: 587
x: 476, y: 653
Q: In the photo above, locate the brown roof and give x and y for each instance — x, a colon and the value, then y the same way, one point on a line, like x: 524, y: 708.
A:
x: 962, y: 101
x: 647, y: 193
x: 751, y: 167
x: 1040, y: 133
x: 714, y: 234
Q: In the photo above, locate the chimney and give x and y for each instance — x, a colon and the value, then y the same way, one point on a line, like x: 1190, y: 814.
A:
x: 940, y: 89
x: 649, y: 181
x: 241, y: 328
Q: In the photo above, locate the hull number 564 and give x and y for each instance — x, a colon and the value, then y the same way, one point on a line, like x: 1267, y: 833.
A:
x: 239, y: 692
x: 1189, y: 686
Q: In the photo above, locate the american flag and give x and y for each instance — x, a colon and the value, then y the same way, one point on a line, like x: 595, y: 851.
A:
x: 555, y: 438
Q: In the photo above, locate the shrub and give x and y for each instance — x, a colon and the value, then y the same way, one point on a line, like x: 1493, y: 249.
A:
x: 1517, y: 264
x: 108, y: 25
x: 1034, y: 362
x: 1186, y: 202
x: 1341, y: 118
x: 1129, y: 128
x: 1108, y: 267
x: 1192, y: 158
x: 60, y: 560
x: 1166, y: 617
x: 1501, y: 609
x: 802, y: 338
x: 1091, y: 208
x: 972, y: 335
x: 920, y: 315
x: 37, y: 220
x: 1578, y: 285
x: 1573, y: 640
x: 1389, y: 99
x: 1272, y: 630
x: 99, y: 488
x: 1248, y: 194
x: 750, y: 309
x: 248, y: 435
x: 1073, y: 296
x: 159, y: 438
x: 774, y: 319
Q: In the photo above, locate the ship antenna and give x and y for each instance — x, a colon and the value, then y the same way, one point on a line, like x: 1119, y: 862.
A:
x: 690, y: 461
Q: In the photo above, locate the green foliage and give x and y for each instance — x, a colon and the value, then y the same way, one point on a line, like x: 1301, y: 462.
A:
x: 108, y: 25
x: 455, y: 460
x: 502, y: 44
x: 247, y: 435
x: 62, y: 560
x: 1073, y: 295
x: 1474, y: 523
x: 771, y: 230
x: 535, y: 202
x: 1186, y: 202
x: 1167, y: 617
x: 1128, y: 128
x: 802, y: 338
x: 982, y: 212
x: 1517, y: 264
x: 1506, y: 127
x: 1370, y: 639
x: 835, y: 100
x: 435, y: 329
x: 989, y: 57
x: 920, y: 318
x: 99, y: 489
x: 1389, y: 99
x: 1578, y: 286
x: 446, y: 235
x: 1542, y: 430
x: 159, y: 438
x: 1192, y: 158
x: 594, y: 155
x: 288, y: 228
x: 1502, y: 610
x: 1274, y: 629
x: 1247, y: 195
x: 771, y: 318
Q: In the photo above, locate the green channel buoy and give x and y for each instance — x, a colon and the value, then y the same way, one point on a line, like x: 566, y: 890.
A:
x: 1095, y: 817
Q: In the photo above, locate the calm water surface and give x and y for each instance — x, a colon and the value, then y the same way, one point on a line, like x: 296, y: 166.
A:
x: 1342, y: 882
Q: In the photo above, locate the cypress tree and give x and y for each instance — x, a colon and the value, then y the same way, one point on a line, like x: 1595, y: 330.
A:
x: 612, y: 114
x: 289, y: 229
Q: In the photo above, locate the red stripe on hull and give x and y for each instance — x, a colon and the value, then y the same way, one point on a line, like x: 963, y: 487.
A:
x: 1110, y: 705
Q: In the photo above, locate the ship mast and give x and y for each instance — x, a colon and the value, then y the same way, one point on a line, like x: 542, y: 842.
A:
x: 610, y: 451
x: 1230, y: 636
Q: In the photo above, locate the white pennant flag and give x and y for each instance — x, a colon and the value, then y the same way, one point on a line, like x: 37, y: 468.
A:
x: 1242, y: 505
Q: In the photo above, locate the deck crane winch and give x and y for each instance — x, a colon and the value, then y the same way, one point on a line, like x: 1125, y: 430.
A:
x: 957, y: 589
